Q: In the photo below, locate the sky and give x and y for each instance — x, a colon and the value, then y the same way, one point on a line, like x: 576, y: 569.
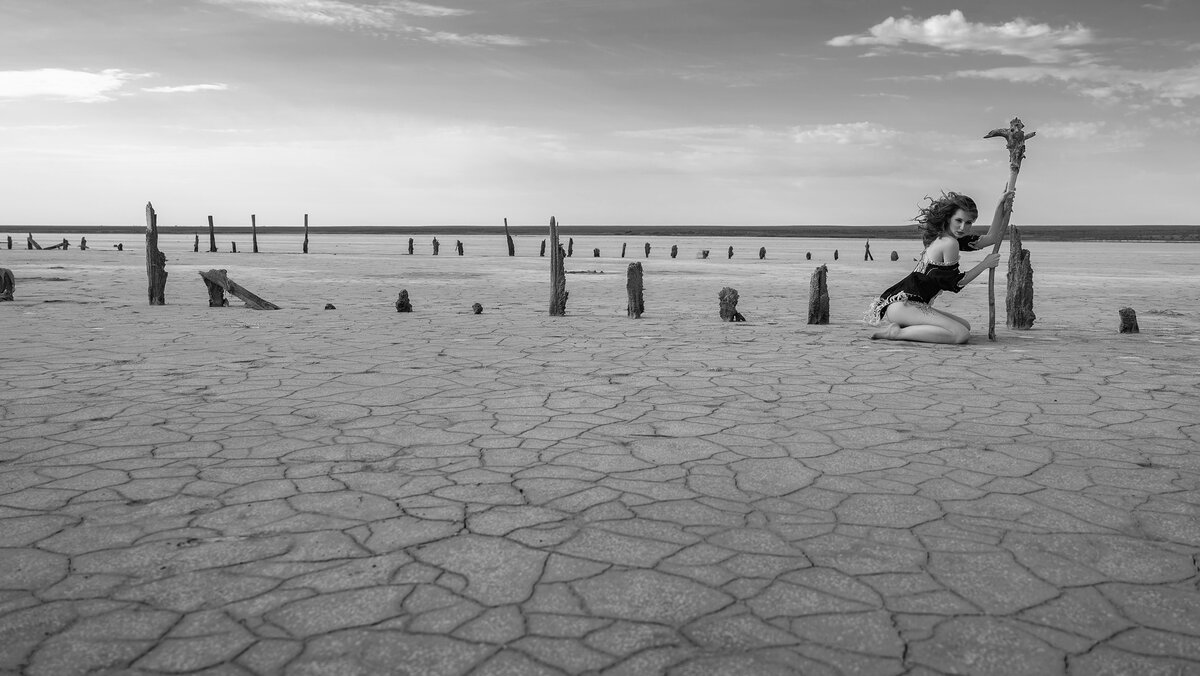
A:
x: 596, y: 112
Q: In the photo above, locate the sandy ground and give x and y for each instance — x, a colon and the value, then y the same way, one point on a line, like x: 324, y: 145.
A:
x: 186, y: 489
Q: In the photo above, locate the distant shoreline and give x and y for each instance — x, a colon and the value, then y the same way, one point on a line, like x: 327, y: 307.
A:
x: 1051, y: 233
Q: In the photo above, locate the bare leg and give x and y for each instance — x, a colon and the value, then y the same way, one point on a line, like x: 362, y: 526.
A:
x: 921, y: 323
x: 956, y: 318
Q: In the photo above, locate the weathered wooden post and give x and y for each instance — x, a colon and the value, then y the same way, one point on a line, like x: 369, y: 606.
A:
x: 8, y: 284
x: 730, y: 252
x: 1014, y: 138
x: 410, y: 246
x: 196, y: 245
x: 818, y: 297
x: 253, y: 234
x: 808, y: 255
x: 542, y: 252
x: 895, y: 256
x: 10, y: 242
x: 1128, y: 320
x: 558, y: 276
x: 402, y: 303
x: 728, y: 298
x: 703, y: 254
x: 674, y: 250
x: 83, y: 243
x: 1018, y: 302
x: 762, y: 252
x: 596, y: 252
x: 512, y: 249
x: 458, y: 246
x: 835, y: 254
x: 305, y: 248
x: 633, y: 287
x: 212, y: 236
x: 647, y: 249
x: 622, y: 249
x: 233, y: 247
x: 156, y: 262
x: 570, y: 247
x: 477, y: 309
x: 436, y: 245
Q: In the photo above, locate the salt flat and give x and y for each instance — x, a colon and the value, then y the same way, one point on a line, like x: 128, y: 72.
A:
x: 186, y: 489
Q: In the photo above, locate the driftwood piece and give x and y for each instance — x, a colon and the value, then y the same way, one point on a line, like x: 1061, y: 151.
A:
x: 1018, y: 301
x: 212, y: 236
x: 305, y: 248
x: 1128, y: 320
x: 633, y: 287
x: 402, y: 303
x: 31, y: 243
x: 253, y: 234
x: 512, y: 249
x: 728, y: 298
x: 558, y: 276
x: 8, y: 284
x: 1014, y: 138
x: 818, y: 296
x: 220, y: 279
x: 156, y: 261
x: 61, y: 245
x: 623, y: 249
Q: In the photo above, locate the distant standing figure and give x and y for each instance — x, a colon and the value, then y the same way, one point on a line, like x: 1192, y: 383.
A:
x: 867, y: 253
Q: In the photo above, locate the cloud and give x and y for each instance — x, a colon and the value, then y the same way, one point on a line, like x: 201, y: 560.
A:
x: 1106, y: 83
x: 846, y: 133
x: 953, y: 33
x: 186, y: 89
x: 68, y: 85
x: 391, y: 17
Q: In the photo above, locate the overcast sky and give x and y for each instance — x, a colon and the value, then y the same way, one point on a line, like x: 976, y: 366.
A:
x: 756, y: 112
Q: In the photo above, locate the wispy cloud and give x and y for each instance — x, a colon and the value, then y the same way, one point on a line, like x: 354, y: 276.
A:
x: 67, y: 85
x: 187, y: 89
x: 390, y: 17
x: 952, y: 32
x: 1174, y: 86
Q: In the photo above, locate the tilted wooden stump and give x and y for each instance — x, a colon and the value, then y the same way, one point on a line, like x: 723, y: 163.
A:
x: 219, y: 283
x: 512, y: 249
x: 156, y: 262
x: 818, y: 296
x: 633, y: 287
x: 558, y: 275
x: 728, y: 298
x: 1018, y: 301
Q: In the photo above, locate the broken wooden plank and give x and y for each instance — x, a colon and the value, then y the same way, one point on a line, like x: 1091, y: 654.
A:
x: 221, y: 280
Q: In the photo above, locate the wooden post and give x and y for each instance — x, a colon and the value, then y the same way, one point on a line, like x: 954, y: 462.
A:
x: 458, y: 246
x: 1015, y: 138
x: 542, y: 252
x: 1128, y: 320
x: 623, y: 249
x: 403, y: 304
x: 633, y: 287
x: 596, y: 252
x: 558, y: 276
x: 762, y: 252
x: 818, y: 296
x: 647, y: 249
x: 8, y: 284
x: 196, y: 245
x: 305, y: 233
x: 1018, y: 302
x: 570, y: 247
x: 156, y: 262
x: 728, y: 298
x: 212, y: 237
x: 410, y: 246
x: 512, y: 250
x: 674, y: 250
x: 436, y: 245
x: 253, y: 234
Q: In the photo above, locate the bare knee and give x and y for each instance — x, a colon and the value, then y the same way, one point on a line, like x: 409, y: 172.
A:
x: 960, y: 335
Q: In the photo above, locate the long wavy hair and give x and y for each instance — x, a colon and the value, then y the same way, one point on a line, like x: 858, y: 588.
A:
x: 933, y: 218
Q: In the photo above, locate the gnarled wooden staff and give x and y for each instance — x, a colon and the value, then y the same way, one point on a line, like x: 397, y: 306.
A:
x: 1015, y: 136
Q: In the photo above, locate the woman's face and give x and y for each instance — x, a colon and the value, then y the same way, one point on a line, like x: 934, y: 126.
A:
x: 960, y: 223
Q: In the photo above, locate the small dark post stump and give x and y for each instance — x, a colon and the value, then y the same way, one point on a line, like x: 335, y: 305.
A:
x: 212, y: 236
x: 8, y: 284
x: 512, y: 249
x: 436, y: 245
x: 570, y: 247
x: 622, y: 249
x: 330, y: 306
x: 595, y: 253
x: 703, y: 254
x: 558, y: 275
x: 633, y: 287
x: 410, y: 246
x: 762, y: 252
x: 10, y: 242
x: 83, y: 243
x: 647, y: 249
x: 458, y: 246
x: 1128, y: 320
x: 730, y: 253
x: 233, y: 247
x: 305, y: 247
x: 253, y: 234
x: 818, y: 297
x: 835, y: 255
x: 156, y: 262
x: 674, y: 250
x: 542, y: 252
x: 729, y: 299
x: 1018, y: 302
x: 402, y: 304
x: 120, y: 246
x: 196, y: 245
x: 477, y: 308
x: 808, y: 255
x: 895, y: 256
